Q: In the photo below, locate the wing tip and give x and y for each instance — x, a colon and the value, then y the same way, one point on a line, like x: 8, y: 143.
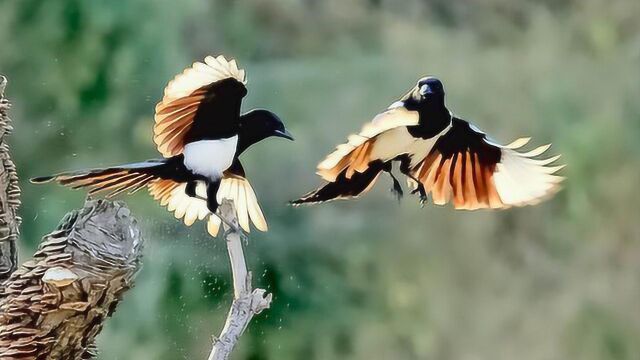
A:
x: 297, y: 203
x: 518, y: 143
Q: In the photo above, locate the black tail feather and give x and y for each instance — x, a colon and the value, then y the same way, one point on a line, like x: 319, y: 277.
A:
x: 343, y: 187
x: 41, y: 179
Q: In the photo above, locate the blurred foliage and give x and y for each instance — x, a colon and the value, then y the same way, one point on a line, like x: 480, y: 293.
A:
x: 367, y: 279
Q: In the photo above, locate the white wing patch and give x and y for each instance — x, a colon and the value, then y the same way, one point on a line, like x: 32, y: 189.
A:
x: 518, y: 179
x: 244, y: 198
x: 521, y: 180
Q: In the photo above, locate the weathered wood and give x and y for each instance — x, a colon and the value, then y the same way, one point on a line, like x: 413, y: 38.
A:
x: 246, y: 302
x: 54, y: 305
x: 9, y: 194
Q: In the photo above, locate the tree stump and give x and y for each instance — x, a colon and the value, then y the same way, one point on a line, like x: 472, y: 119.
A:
x: 54, y: 305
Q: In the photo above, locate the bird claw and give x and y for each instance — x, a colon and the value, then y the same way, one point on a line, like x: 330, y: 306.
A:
x: 232, y: 227
x: 236, y: 229
x: 243, y: 236
x: 423, y: 195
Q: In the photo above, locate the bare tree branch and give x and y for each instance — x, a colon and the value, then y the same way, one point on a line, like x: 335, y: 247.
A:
x: 246, y: 302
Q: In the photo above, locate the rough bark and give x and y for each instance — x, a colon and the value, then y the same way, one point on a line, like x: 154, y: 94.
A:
x: 246, y: 302
x: 54, y: 305
x: 9, y: 194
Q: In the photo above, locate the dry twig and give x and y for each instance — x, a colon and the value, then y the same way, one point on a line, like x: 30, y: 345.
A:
x: 247, y: 302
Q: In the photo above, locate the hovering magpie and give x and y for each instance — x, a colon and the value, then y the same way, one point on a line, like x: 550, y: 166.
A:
x: 440, y: 154
x: 201, y: 133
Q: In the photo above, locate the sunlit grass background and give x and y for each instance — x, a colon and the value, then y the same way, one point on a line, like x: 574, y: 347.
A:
x: 367, y: 279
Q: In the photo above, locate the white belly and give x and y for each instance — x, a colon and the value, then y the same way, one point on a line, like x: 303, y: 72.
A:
x: 210, y: 158
x: 399, y: 141
x: 392, y: 143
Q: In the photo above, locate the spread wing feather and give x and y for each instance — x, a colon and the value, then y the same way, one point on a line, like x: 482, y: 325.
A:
x: 172, y: 195
x: 358, y: 151
x: 182, y: 97
x: 473, y: 172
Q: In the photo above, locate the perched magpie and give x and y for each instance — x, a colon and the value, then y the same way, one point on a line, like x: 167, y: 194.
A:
x: 200, y: 132
x: 440, y: 154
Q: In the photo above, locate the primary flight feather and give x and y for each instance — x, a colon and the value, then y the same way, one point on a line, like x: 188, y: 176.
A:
x: 201, y: 133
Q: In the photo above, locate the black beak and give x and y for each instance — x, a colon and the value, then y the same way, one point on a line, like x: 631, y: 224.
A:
x: 284, y: 134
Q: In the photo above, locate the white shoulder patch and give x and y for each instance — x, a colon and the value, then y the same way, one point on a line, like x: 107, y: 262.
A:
x: 396, y: 104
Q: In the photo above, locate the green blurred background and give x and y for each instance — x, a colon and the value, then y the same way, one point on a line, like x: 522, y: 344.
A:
x: 366, y: 279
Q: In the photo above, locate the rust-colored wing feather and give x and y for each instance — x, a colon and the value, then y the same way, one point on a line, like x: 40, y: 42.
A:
x: 361, y: 149
x: 464, y: 167
x: 183, y: 95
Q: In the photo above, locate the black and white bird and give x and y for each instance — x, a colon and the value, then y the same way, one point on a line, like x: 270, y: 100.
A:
x: 440, y: 154
x: 201, y: 133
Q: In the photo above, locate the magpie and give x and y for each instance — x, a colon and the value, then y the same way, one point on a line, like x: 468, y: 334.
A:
x: 200, y: 132
x: 440, y: 154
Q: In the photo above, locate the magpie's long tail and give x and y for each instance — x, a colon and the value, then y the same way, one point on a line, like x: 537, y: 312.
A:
x: 344, y: 187
x: 113, y: 180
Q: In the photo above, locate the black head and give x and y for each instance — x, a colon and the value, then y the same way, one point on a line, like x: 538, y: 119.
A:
x: 259, y: 124
x: 430, y: 86
x: 427, y: 90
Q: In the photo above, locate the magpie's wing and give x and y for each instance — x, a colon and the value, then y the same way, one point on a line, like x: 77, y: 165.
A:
x: 234, y: 187
x: 383, y: 138
x: 203, y: 99
x: 464, y: 165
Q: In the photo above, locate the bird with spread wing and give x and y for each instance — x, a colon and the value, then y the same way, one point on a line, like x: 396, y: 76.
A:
x: 440, y: 154
x: 201, y: 132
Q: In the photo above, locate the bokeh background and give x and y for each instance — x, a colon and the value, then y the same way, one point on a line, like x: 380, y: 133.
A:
x: 367, y: 279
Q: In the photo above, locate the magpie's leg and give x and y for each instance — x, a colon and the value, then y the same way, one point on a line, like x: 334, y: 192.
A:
x: 396, y: 190
x: 212, y: 205
x: 190, y: 189
x: 212, y: 192
x: 404, y: 168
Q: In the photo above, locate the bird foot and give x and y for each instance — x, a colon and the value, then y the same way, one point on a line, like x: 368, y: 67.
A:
x: 423, y: 200
x: 422, y: 193
x: 236, y: 230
